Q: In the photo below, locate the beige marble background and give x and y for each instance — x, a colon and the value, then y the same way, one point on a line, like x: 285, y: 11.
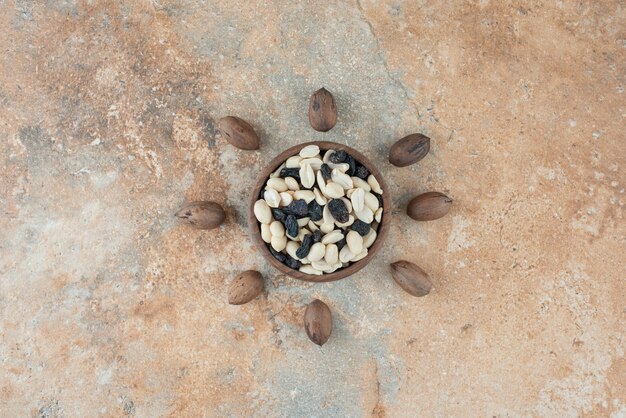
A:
x: 109, y: 307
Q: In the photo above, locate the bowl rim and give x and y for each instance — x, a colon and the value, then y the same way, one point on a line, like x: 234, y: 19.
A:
x: 255, y: 230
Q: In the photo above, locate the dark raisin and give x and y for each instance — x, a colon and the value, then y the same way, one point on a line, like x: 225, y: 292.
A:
x: 317, y: 236
x: 293, y: 263
x: 352, y: 165
x: 361, y: 227
x: 291, y: 226
x: 325, y: 171
x: 279, y: 215
x: 339, y: 210
x: 340, y: 244
x: 290, y: 172
x: 305, y: 247
x: 297, y: 208
x: 279, y: 256
x: 338, y: 156
x: 315, y: 211
x: 380, y: 199
x: 361, y: 172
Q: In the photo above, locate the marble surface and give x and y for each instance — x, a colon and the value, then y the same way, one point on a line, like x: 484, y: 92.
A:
x: 109, y: 307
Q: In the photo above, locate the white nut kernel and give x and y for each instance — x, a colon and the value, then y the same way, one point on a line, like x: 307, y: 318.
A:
x: 315, y: 163
x: 378, y: 215
x: 371, y: 180
x: 332, y: 237
x: 371, y: 202
x: 360, y: 256
x: 332, y: 254
x: 354, y: 242
x: 307, y: 195
x: 285, y: 199
x: 317, y: 252
x: 357, y: 199
x: 327, y: 227
x: 345, y: 254
x: 333, y: 190
x: 342, y: 179
x: 369, y: 239
x: 309, y: 151
x: 266, y: 234
x: 277, y: 184
x: 279, y: 242
x: 361, y: 184
x: 262, y: 211
x: 277, y: 229
x: 292, y: 184
x: 307, y: 176
x: 293, y: 162
x: 303, y: 221
x: 366, y: 215
x: 272, y: 198
x: 291, y: 248
x: 321, y: 200
x: 308, y: 269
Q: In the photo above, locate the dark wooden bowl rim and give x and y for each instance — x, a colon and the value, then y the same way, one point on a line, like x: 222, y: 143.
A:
x: 255, y: 231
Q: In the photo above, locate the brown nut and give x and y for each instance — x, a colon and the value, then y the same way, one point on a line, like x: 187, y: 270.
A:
x: 318, y: 322
x: 411, y: 278
x: 322, y: 110
x: 429, y: 206
x: 239, y: 133
x: 409, y: 150
x: 202, y: 215
x: 247, y: 286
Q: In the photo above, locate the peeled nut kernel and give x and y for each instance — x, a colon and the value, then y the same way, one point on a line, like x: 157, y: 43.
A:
x: 311, y: 225
x: 285, y: 199
x: 333, y: 190
x: 354, y: 242
x: 378, y: 215
x: 262, y: 211
x: 276, y: 172
x: 315, y: 163
x: 369, y: 239
x: 366, y: 215
x: 327, y: 227
x: 317, y: 252
x: 360, y: 256
x: 341, y: 179
x: 308, y: 269
x: 291, y: 249
x: 321, y: 200
x: 239, y: 133
x: 332, y: 237
x: 307, y: 195
x: 309, y: 151
x: 292, y: 184
x: 293, y: 162
x: 318, y: 322
x: 327, y: 154
x: 371, y: 201
x: 358, y: 199
x: 345, y: 254
x: 411, y: 278
x: 277, y: 184
x: 202, y: 215
x: 277, y: 228
x: 321, y: 265
x: 429, y: 206
x: 272, y: 198
x: 322, y: 111
x: 332, y: 254
x: 266, y: 234
x: 247, y: 286
x: 303, y: 221
x: 371, y: 180
x: 307, y: 176
x: 278, y: 242
x: 409, y: 150
x: 361, y: 184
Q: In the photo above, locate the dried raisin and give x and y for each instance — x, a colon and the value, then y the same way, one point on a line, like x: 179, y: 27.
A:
x: 315, y: 211
x: 317, y: 236
x: 361, y: 227
x: 338, y: 156
x: 297, y: 208
x: 361, y: 172
x: 305, y: 247
x: 279, y: 215
x: 339, y: 210
x: 380, y: 199
x: 352, y: 165
x: 279, y: 256
x: 290, y: 172
x: 291, y: 226
x: 325, y: 171
x: 341, y: 243
x: 292, y: 263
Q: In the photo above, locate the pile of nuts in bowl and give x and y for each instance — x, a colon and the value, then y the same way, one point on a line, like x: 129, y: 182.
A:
x: 319, y: 211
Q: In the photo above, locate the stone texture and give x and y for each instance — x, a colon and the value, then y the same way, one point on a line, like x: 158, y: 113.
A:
x: 109, y: 307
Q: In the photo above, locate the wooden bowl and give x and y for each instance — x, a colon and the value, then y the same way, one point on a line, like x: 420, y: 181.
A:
x: 255, y: 230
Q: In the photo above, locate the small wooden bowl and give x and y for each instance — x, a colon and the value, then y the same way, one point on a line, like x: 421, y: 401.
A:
x: 381, y: 233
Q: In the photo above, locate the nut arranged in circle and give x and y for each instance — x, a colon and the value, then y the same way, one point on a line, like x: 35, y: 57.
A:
x: 319, y: 211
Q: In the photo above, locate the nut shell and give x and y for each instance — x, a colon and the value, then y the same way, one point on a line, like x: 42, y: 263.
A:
x: 318, y: 322
x: 202, y: 215
x: 239, y: 133
x: 409, y: 150
x: 411, y: 278
x: 247, y: 286
x: 322, y: 110
x: 429, y: 206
